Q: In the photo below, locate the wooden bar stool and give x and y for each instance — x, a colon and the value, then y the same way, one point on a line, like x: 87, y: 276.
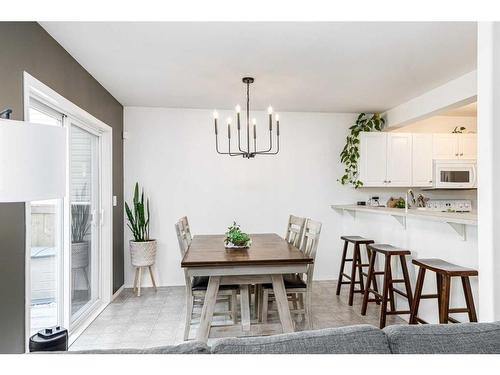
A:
x: 388, y: 289
x: 357, y: 265
x: 444, y: 272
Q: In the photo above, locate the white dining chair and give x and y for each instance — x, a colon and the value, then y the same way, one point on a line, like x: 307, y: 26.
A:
x: 295, y: 230
x: 298, y: 286
x: 196, y: 286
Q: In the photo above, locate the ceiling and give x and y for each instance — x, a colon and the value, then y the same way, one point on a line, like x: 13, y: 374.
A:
x: 469, y: 110
x: 307, y: 66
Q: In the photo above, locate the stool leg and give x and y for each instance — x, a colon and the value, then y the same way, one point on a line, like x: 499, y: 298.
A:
x: 392, y: 300
x: 439, y: 286
x: 353, y: 273
x: 375, y: 286
x: 370, y: 277
x: 342, y: 265
x: 385, y: 293
x: 406, y: 278
x: 360, y: 270
x: 418, y: 295
x: 469, y: 299
x: 445, y: 300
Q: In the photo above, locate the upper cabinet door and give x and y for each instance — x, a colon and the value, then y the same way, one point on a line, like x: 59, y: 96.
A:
x: 445, y: 146
x: 399, y: 171
x: 373, y: 159
x: 467, y: 146
x: 422, y: 160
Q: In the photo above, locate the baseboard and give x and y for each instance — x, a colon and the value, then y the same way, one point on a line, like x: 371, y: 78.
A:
x: 117, y: 293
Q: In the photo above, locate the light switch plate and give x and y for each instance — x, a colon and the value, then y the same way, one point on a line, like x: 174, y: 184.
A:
x: 115, y: 201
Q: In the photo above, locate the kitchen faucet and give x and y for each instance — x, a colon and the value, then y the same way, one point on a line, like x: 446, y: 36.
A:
x: 412, y: 196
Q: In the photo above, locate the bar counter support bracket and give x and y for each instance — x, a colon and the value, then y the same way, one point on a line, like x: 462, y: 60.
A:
x: 460, y: 229
x: 401, y: 220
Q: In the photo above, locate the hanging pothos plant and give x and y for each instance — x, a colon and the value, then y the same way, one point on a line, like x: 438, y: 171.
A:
x: 350, y: 154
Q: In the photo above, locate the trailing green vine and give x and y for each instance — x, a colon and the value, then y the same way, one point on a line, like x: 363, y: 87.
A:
x: 350, y: 153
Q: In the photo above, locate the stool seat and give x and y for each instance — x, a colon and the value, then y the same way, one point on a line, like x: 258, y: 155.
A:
x: 357, y: 239
x: 388, y: 249
x: 442, y: 266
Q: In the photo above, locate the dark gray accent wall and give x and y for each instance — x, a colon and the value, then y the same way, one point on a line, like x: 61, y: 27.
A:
x: 26, y: 46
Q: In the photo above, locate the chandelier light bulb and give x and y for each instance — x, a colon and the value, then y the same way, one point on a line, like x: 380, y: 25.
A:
x: 270, y: 110
x: 254, y: 121
x: 277, y: 116
x: 216, y: 115
x: 229, y: 120
x: 238, y: 108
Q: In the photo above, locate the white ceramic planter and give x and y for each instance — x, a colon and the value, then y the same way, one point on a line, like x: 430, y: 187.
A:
x: 80, y: 254
x: 143, y: 254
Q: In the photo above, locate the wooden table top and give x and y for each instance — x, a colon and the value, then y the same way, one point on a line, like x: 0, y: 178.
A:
x: 266, y: 249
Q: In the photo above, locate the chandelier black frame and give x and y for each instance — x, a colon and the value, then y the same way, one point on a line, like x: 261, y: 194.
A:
x: 248, y: 153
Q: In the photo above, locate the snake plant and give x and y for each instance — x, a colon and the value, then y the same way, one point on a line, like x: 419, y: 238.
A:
x: 138, y: 219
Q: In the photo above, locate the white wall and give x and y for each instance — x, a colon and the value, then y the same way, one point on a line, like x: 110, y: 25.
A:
x: 171, y: 153
x: 488, y: 172
x: 441, y: 124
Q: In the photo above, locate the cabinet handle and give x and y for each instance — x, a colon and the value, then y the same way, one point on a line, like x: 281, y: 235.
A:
x: 456, y: 154
x: 462, y: 154
x: 389, y: 181
x: 430, y: 181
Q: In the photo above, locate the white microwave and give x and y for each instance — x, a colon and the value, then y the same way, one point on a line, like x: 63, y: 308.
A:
x: 454, y: 174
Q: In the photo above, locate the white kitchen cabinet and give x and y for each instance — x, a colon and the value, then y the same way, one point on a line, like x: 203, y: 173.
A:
x: 422, y: 146
x: 454, y: 146
x: 399, y: 159
x: 372, y: 162
x: 467, y: 146
x: 445, y: 146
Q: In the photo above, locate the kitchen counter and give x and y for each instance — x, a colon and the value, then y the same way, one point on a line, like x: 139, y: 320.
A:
x: 467, y: 218
x: 457, y: 220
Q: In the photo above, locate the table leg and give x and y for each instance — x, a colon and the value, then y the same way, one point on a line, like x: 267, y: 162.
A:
x: 207, y: 311
x: 245, y: 307
x: 282, y: 303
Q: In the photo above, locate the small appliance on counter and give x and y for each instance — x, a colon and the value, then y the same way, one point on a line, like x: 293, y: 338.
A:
x: 449, y: 205
x: 374, y: 201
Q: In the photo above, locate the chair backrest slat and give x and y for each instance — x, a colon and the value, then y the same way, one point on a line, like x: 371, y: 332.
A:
x: 309, y: 244
x: 295, y: 230
x: 184, y: 240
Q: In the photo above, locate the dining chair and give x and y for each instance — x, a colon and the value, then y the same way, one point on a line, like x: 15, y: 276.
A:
x: 187, y: 229
x: 295, y: 230
x: 298, y: 286
x: 196, y: 286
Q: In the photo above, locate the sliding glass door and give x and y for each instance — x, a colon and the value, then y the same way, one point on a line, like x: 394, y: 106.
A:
x: 45, y: 244
x: 69, y: 241
x: 84, y: 221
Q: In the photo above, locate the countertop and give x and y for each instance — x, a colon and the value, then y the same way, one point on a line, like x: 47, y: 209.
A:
x: 466, y: 218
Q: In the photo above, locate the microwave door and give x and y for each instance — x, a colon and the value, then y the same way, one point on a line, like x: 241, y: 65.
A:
x: 455, y: 177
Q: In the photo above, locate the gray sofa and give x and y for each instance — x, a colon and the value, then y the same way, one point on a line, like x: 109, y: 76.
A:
x: 464, y: 338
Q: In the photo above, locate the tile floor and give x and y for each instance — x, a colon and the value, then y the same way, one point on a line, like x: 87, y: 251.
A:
x: 157, y: 318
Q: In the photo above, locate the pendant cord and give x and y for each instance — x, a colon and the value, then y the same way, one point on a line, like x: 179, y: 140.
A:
x: 248, y: 118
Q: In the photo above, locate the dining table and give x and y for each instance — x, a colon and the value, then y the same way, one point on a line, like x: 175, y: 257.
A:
x: 265, y: 261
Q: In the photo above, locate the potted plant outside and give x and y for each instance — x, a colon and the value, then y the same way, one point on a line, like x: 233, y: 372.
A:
x: 142, y: 247
x: 80, y: 226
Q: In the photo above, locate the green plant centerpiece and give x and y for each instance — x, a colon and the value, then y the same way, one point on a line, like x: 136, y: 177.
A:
x: 350, y: 153
x: 236, y: 239
x: 142, y: 247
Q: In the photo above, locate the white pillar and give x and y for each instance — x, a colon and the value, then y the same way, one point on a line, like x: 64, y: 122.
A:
x: 488, y: 82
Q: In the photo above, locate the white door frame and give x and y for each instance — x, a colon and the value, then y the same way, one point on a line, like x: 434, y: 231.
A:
x: 35, y: 88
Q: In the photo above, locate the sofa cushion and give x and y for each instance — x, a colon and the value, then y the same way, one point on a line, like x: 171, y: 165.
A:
x: 360, y: 339
x: 192, y: 347
x: 462, y: 338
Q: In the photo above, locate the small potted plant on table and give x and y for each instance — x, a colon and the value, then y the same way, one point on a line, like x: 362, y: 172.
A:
x: 236, y: 239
